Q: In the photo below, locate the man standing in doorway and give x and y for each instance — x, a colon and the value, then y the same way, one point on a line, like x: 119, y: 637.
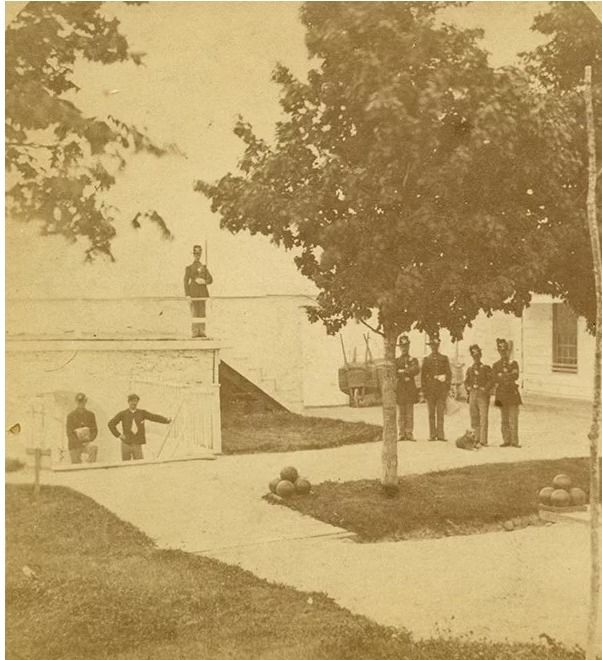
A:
x: 196, y: 279
x: 436, y: 381
x: 478, y: 383
x: 82, y: 431
x: 133, y: 433
x: 507, y: 395
x: 407, y: 369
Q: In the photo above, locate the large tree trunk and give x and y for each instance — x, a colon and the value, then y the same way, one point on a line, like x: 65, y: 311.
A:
x: 389, y: 451
x: 594, y: 492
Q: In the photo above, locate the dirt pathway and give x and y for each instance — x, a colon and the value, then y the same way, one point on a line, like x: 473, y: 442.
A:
x: 515, y: 585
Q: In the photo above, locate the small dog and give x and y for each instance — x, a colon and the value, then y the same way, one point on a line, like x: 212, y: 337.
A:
x: 468, y: 441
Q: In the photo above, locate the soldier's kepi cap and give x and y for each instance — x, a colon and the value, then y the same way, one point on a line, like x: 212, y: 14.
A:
x: 433, y: 339
x: 502, y: 344
x: 196, y: 248
x: 404, y: 340
x: 80, y: 397
x: 133, y: 397
x: 475, y: 348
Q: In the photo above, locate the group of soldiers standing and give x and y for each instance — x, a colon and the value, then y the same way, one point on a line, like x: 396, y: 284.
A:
x: 481, y: 382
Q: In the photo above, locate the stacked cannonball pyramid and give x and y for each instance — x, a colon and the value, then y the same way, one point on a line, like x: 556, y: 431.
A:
x: 561, y: 494
x: 289, y: 483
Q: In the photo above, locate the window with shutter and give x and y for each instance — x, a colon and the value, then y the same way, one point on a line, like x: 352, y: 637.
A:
x: 564, y: 337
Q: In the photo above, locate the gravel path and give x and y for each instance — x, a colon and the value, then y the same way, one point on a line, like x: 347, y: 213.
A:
x: 503, y: 585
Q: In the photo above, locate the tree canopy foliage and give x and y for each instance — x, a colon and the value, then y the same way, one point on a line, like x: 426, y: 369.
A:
x: 416, y: 181
x: 59, y: 161
x: 575, y: 40
x: 414, y: 178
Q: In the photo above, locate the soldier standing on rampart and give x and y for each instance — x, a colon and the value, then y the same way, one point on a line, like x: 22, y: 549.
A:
x: 196, y: 279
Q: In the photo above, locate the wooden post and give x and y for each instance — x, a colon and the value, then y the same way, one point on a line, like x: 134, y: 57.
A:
x: 37, y: 453
x: 594, y: 495
x: 37, y: 438
x: 343, y: 347
x: 37, y: 468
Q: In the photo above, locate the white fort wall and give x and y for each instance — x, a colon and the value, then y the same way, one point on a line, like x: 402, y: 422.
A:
x: 269, y: 340
x: 262, y: 337
x: 539, y: 378
x: 106, y: 371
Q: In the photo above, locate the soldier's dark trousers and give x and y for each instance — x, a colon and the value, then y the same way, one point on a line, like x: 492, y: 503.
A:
x: 436, y: 406
x: 405, y: 420
x: 510, y: 424
x: 478, y: 404
x: 198, y: 311
x: 91, y: 451
x: 131, y: 452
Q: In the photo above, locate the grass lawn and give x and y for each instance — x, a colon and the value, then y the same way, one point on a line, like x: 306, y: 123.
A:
x: 100, y: 589
x: 284, y: 431
x: 461, y: 501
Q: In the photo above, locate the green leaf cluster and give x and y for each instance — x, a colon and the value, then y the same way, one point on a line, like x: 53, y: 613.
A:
x: 60, y: 161
x: 412, y: 177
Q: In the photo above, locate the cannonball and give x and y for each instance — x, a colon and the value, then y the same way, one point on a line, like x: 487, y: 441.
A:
x: 285, y: 488
x: 562, y: 481
x: 274, y: 483
x: 578, y: 496
x: 545, y: 494
x: 289, y: 473
x: 302, y: 486
x: 560, y: 498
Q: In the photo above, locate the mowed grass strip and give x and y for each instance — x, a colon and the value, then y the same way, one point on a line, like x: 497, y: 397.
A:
x: 466, y: 500
x: 95, y: 587
x: 285, y: 431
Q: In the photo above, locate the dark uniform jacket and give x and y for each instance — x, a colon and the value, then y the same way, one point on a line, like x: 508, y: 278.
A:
x: 126, y: 417
x: 78, y: 419
x: 505, y: 377
x: 197, y: 271
x: 436, y: 365
x: 407, y: 368
x: 478, y: 379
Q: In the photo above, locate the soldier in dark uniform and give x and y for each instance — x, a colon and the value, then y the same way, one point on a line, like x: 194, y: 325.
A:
x: 507, y: 395
x: 81, y: 431
x: 133, y: 432
x: 196, y: 279
x: 436, y: 381
x: 478, y: 384
x: 407, y: 368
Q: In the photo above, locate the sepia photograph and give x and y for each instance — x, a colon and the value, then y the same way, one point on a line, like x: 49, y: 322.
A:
x: 303, y: 330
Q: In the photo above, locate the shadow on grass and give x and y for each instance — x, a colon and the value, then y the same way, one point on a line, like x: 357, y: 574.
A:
x: 285, y: 431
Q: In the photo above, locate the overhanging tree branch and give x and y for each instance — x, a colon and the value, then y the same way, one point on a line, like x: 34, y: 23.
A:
x: 378, y: 332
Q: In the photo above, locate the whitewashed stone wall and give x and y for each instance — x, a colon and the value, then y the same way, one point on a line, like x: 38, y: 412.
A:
x: 105, y: 376
x: 270, y: 341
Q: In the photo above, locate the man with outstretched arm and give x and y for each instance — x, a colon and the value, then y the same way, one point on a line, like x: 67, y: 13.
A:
x: 133, y: 432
